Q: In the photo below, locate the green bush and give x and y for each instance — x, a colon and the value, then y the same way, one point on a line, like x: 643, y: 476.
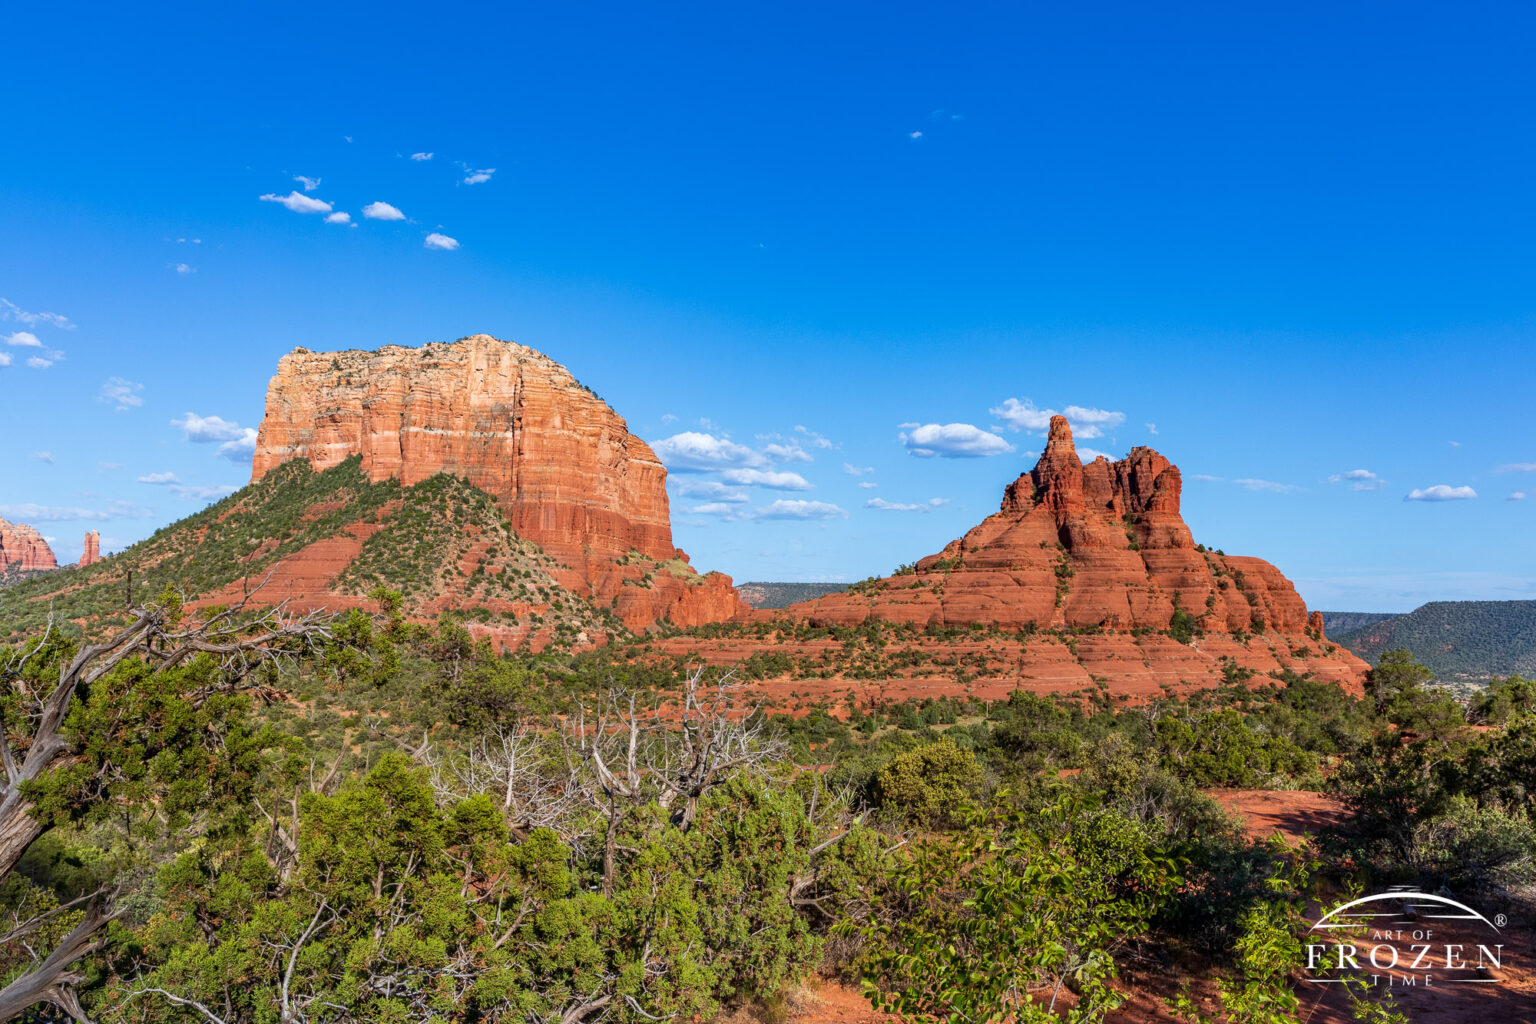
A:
x: 925, y: 786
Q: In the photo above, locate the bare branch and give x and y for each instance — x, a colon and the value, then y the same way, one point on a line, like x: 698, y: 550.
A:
x: 177, y: 1001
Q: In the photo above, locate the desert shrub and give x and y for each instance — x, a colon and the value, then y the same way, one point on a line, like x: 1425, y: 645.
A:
x: 925, y: 786
x: 1502, y: 700
x: 996, y: 921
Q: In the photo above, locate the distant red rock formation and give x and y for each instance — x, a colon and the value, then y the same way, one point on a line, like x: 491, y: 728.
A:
x: 22, y: 549
x: 92, y: 553
x: 565, y: 468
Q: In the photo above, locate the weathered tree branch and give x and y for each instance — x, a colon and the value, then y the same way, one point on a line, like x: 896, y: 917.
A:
x: 53, y: 980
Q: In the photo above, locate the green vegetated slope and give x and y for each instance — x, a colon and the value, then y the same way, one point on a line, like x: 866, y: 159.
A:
x: 12, y: 575
x: 420, y: 535
x: 760, y: 594
x: 1457, y: 640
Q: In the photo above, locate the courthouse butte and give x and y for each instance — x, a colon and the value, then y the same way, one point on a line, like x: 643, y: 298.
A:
x: 561, y: 464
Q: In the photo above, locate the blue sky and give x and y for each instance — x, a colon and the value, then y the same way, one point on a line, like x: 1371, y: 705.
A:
x: 1281, y: 245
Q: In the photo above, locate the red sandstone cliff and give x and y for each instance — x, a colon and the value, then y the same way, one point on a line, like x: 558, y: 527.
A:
x: 563, y: 465
x: 22, y: 549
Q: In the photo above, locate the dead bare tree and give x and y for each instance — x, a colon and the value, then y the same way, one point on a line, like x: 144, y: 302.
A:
x: 282, y: 837
x: 717, y: 734
x: 517, y: 767
x: 620, y: 758
x: 604, y: 764
x: 239, y: 640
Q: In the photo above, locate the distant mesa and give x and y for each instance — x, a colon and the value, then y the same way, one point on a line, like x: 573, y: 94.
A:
x: 1459, y: 641
x: 764, y: 594
x: 23, y: 549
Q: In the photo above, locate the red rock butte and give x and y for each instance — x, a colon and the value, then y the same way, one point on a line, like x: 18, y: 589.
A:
x: 92, y: 551
x: 23, y: 549
x: 562, y: 464
x: 1096, y: 547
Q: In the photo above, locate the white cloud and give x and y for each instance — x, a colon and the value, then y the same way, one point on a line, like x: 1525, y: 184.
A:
x: 914, y: 135
x: 31, y: 513
x: 717, y: 508
x: 183, y: 268
x: 381, y: 211
x: 791, y: 452
x: 39, y: 363
x: 123, y: 394
x: 1207, y: 478
x: 160, y: 478
x: 298, y: 202
x: 667, y: 417
x: 817, y: 441
x: 10, y: 311
x: 1517, y: 496
x: 206, y: 429
x: 418, y: 157
x: 1440, y: 492
x: 779, y: 480
x: 1517, y: 467
x: 310, y: 184
x: 692, y: 450
x: 867, y: 485
x: 107, y: 466
x: 1151, y: 428
x: 199, y: 492
x: 24, y: 339
x: 339, y: 217
x: 1359, y: 480
x: 799, y: 509
x: 55, y: 513
x: 43, y: 457
x: 953, y: 441
x: 474, y: 177
x: 443, y: 242
x: 895, y: 506
x: 1086, y: 422
x: 241, y: 448
x: 853, y: 470
x: 5, y: 359
x: 1087, y: 454
x: 237, y: 442
x: 712, y: 489
x: 1265, y: 485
